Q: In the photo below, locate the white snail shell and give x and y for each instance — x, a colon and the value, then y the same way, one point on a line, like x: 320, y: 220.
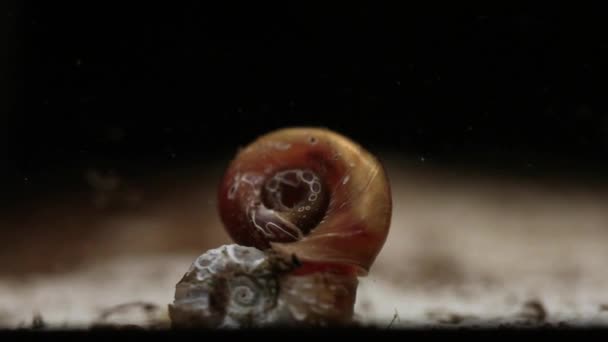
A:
x: 236, y: 286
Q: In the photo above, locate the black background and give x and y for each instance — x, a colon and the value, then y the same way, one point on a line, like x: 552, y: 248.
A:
x: 180, y: 82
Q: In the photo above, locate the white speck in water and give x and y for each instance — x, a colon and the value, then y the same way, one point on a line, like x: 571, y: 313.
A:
x: 346, y: 179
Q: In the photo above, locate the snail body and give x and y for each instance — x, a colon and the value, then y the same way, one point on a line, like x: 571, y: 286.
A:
x: 313, y: 210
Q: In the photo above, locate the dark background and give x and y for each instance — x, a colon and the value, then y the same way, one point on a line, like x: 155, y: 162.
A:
x: 160, y: 86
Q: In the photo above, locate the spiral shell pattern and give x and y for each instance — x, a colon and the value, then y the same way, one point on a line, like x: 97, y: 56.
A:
x: 310, y: 193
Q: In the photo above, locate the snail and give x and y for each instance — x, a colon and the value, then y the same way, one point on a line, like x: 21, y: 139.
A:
x: 309, y: 211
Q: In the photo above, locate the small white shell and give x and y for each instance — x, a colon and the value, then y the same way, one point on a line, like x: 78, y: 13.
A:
x: 235, y: 286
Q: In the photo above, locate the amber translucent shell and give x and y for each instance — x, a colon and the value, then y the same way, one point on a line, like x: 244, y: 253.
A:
x: 308, y: 192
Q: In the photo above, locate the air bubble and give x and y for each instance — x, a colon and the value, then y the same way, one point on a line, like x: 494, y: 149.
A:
x: 315, y: 187
x: 307, y: 176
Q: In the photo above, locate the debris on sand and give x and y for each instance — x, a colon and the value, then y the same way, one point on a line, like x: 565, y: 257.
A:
x: 451, y: 318
x: 395, y: 318
x: 132, y: 314
x: 38, y: 322
x: 534, y: 311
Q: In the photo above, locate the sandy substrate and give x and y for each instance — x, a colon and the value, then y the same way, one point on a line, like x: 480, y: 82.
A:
x: 462, y: 250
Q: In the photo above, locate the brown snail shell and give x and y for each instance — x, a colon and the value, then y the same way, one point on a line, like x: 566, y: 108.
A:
x: 310, y: 193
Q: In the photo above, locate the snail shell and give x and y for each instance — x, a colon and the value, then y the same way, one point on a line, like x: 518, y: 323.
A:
x: 310, y: 193
x: 236, y: 286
